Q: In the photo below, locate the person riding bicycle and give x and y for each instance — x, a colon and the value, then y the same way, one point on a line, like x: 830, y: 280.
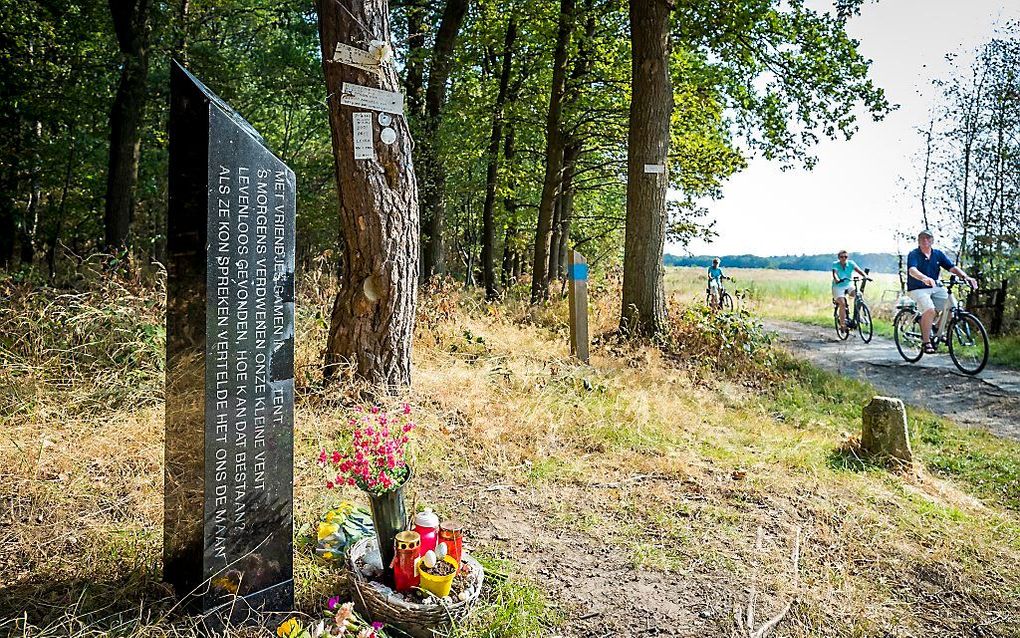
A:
x: 924, y: 264
x: 843, y: 270
x: 715, y: 277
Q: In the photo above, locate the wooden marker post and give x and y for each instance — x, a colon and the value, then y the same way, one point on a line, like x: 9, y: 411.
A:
x: 578, y: 273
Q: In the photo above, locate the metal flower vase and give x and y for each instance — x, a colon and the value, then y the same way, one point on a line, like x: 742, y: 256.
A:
x: 389, y: 516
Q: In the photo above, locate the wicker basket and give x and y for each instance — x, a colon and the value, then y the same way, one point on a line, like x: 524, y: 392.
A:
x: 379, y: 603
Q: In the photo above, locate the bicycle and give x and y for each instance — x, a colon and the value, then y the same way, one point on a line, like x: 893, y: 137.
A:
x: 962, y: 331
x: 861, y: 316
x: 725, y: 300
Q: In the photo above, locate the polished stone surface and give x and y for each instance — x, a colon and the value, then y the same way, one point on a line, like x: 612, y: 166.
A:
x: 228, y: 523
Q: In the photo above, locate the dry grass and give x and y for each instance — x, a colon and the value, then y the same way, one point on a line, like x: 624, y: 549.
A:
x: 638, y: 488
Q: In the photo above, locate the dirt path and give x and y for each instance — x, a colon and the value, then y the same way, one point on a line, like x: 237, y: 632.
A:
x: 991, y: 400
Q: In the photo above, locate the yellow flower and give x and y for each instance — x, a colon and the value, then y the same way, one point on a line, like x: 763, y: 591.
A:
x: 288, y: 628
x: 327, y: 555
x: 327, y: 529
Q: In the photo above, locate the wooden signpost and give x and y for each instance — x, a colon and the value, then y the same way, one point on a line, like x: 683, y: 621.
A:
x: 578, y: 273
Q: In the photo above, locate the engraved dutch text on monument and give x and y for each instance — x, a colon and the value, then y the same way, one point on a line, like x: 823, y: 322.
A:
x: 230, y: 386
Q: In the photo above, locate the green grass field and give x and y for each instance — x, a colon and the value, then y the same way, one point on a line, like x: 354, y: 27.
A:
x: 804, y: 296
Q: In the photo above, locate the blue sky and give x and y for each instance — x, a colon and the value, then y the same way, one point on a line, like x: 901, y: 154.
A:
x: 856, y: 197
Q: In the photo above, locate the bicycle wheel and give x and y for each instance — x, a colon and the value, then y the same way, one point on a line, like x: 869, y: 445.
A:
x: 907, y: 334
x: 727, y: 302
x: 968, y: 343
x: 841, y: 332
x: 864, y: 327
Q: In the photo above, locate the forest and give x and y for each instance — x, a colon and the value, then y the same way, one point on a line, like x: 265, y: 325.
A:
x: 519, y: 113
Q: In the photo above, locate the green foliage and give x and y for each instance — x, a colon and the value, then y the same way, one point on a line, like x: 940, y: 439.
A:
x: 750, y: 76
x: 733, y: 343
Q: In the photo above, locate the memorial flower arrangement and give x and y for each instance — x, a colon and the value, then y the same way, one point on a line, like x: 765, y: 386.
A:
x: 377, y: 460
x: 340, y: 620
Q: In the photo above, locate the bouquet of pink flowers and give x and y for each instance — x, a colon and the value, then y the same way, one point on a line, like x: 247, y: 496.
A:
x: 377, y: 461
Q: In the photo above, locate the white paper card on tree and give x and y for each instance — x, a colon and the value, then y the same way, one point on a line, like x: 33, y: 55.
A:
x: 363, y: 148
x: 353, y: 56
x: 367, y: 97
x: 655, y: 168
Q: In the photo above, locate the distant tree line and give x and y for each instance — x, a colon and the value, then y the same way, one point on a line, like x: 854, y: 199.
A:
x: 877, y: 262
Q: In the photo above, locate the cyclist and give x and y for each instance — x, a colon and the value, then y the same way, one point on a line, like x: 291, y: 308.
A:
x: 843, y: 270
x: 924, y: 264
x: 715, y: 277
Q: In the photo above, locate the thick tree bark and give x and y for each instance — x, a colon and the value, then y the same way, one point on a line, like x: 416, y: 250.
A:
x: 491, y: 174
x: 131, y: 22
x: 644, y: 306
x: 432, y: 177
x: 553, y: 155
x: 372, y: 322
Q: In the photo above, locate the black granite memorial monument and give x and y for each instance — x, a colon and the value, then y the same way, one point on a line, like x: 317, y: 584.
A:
x: 228, y: 527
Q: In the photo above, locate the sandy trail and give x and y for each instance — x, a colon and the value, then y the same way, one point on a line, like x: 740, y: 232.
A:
x: 991, y: 400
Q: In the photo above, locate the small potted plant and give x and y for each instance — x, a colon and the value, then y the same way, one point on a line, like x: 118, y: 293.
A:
x: 377, y: 462
x: 437, y: 570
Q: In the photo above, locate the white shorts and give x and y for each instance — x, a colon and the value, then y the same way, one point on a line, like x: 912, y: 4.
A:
x: 929, y: 298
x: 713, y: 285
x: 839, y: 291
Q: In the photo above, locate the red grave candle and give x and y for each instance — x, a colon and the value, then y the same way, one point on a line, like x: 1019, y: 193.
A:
x: 405, y: 577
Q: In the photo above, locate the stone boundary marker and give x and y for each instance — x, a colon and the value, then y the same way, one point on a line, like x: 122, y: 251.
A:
x: 578, y: 273
x: 884, y: 429
x: 228, y: 481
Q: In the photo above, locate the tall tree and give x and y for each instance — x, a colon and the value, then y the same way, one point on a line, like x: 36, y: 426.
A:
x: 432, y: 180
x: 131, y: 24
x: 372, y: 322
x: 644, y: 305
x: 495, y: 139
x: 553, y: 155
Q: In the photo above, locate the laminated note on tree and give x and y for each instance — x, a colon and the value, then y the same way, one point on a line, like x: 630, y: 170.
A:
x: 363, y: 136
x: 655, y: 168
x: 367, y: 97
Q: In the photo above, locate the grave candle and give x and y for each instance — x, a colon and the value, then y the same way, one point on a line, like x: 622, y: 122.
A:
x: 452, y: 533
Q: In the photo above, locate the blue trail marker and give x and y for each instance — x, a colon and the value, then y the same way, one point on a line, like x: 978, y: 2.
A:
x: 578, y: 270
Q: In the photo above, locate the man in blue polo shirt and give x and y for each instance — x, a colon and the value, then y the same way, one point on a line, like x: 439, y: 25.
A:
x: 924, y: 264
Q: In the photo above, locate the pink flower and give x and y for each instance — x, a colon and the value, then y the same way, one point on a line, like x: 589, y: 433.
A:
x: 336, y: 457
x: 407, y: 408
x: 332, y: 603
x: 329, y: 485
x: 322, y: 456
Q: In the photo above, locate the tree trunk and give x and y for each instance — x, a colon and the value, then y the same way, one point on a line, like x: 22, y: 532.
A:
x: 553, y: 156
x: 372, y: 322
x: 570, y: 153
x: 644, y: 305
x: 130, y: 21
x: 554, y: 242
x: 8, y: 228
x: 180, y: 48
x: 508, y: 255
x: 488, y: 214
x: 509, y: 203
x: 414, y: 83
x: 432, y: 172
